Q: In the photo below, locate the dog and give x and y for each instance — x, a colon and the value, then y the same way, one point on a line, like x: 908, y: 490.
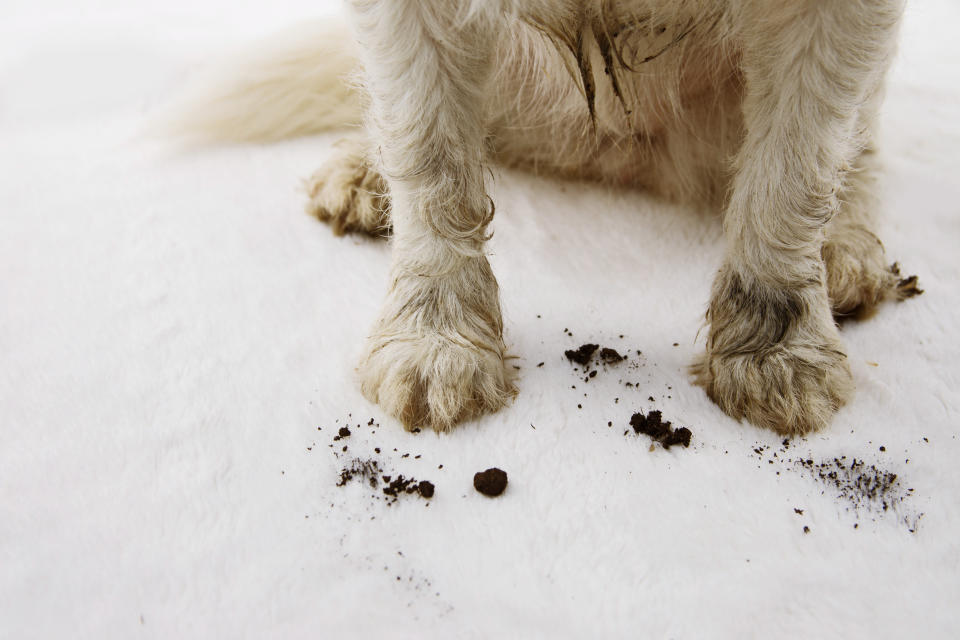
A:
x: 764, y: 109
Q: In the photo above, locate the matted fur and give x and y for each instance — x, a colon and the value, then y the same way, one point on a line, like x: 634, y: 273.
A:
x: 764, y: 108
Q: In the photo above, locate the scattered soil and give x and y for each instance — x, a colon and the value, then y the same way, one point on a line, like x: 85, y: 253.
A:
x: 491, y: 482
x: 366, y: 469
x: 865, y: 488
x: 651, y: 424
x: 394, y: 487
x: 662, y: 431
x: 858, y: 483
x: 400, y: 485
x: 371, y: 471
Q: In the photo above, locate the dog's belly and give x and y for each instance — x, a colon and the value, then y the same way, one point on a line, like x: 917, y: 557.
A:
x: 672, y: 128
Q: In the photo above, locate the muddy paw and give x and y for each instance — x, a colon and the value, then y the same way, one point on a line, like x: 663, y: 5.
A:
x: 792, y: 389
x: 773, y: 356
x: 349, y: 194
x: 433, y: 381
x: 436, y: 357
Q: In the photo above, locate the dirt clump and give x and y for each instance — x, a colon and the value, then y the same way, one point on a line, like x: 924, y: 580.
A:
x: 491, y: 482
x: 582, y: 354
x: 426, y: 488
x: 653, y: 425
x: 610, y: 355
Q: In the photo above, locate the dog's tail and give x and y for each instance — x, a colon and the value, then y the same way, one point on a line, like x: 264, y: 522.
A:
x: 298, y: 83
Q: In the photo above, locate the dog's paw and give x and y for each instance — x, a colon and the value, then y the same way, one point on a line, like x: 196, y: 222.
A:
x: 791, y: 389
x: 436, y: 357
x: 349, y: 194
x: 433, y: 381
x: 773, y: 357
x: 858, y: 276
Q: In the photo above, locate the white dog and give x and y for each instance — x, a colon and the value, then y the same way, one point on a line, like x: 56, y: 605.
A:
x: 765, y: 108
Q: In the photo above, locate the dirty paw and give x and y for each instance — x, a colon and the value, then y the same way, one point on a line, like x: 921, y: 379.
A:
x: 773, y: 355
x: 792, y: 391
x: 349, y: 194
x: 431, y: 381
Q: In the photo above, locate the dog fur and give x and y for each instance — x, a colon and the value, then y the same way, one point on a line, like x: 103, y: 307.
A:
x: 765, y: 109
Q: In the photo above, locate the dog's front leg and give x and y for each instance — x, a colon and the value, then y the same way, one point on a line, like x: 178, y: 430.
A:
x: 436, y: 353
x: 773, y: 353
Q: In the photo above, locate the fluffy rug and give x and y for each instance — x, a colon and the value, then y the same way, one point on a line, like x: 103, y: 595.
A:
x: 177, y: 343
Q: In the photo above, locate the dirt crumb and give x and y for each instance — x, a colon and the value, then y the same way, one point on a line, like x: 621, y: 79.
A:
x: 491, y: 482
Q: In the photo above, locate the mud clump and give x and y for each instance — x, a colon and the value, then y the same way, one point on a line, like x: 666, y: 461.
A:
x: 491, y: 482
x: 653, y: 425
x: 585, y: 352
x: 610, y: 355
x: 426, y: 488
x: 582, y: 354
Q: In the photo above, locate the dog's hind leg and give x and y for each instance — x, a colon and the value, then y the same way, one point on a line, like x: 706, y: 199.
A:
x: 436, y: 354
x: 348, y: 192
x: 859, y: 274
x: 773, y: 353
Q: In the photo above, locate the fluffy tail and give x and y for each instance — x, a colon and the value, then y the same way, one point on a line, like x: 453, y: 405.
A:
x: 298, y: 83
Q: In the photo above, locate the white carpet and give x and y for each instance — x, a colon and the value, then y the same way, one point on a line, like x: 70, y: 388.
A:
x: 177, y: 342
